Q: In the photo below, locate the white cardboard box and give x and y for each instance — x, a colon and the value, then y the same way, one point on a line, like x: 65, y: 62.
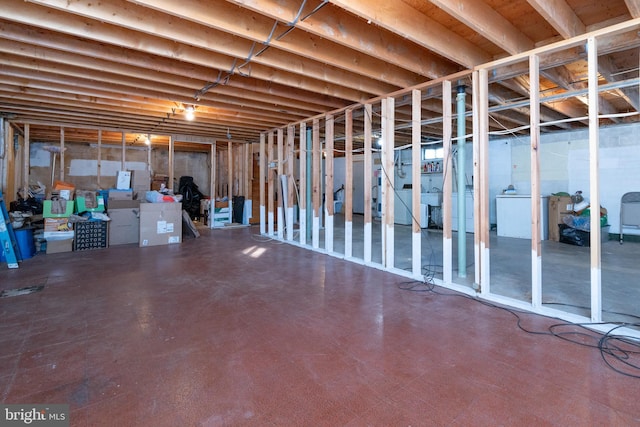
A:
x: 123, y: 181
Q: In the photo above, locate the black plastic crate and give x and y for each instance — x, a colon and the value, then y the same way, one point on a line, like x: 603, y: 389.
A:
x: 91, y: 235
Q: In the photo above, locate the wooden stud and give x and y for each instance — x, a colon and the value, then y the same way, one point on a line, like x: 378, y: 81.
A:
x: 316, y: 171
x: 594, y: 181
x: 214, y: 181
x: 388, y: 192
x: 482, y: 81
x: 279, y: 190
x: 447, y: 187
x: 124, y: 152
x: 348, y: 185
x: 26, y: 160
x: 263, y: 173
x: 291, y: 134
x: 61, y: 154
x: 230, y: 178
x: 99, y: 171
x: 302, y: 187
x: 171, y: 160
x: 368, y: 170
x: 534, y: 132
x: 270, y: 184
x: 328, y: 186
x: 416, y: 173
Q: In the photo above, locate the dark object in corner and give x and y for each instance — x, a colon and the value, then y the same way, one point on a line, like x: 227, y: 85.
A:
x: 191, y: 196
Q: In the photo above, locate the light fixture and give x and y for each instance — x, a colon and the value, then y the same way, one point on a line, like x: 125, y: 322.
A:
x: 147, y: 139
x: 190, y: 112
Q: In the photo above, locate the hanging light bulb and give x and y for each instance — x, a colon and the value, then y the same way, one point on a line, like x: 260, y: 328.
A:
x: 189, y: 112
x: 147, y: 140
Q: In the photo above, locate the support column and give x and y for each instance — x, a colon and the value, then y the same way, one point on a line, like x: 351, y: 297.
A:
x: 26, y: 162
x: 124, y: 151
x: 304, y: 182
x: 368, y: 171
x: 447, y: 131
x: 388, y: 193
x: 99, y: 166
x: 171, y: 149
x: 280, y: 191
x: 481, y: 80
x: 315, y: 237
x: 291, y: 133
x: 534, y: 132
x: 62, y: 154
x: 594, y: 181
x: 416, y: 139
x: 462, y: 187
x: 348, y: 185
x: 309, y: 178
x: 270, y: 184
x: 328, y: 186
x: 263, y: 174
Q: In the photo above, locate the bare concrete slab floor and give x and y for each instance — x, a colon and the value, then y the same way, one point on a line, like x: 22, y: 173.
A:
x: 233, y: 329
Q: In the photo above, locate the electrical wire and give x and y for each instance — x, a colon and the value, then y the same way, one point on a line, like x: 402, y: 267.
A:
x: 621, y: 353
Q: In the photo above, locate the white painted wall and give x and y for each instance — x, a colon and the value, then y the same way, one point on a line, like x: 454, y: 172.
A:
x: 564, y: 165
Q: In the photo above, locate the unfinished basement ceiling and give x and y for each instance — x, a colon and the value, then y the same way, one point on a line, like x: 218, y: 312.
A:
x: 252, y: 65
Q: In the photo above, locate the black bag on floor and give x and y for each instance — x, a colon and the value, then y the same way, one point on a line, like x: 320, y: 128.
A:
x: 191, y: 196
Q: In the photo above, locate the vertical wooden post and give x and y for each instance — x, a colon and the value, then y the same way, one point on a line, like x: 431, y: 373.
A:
x: 447, y: 186
x: 124, y: 152
x: 534, y: 132
x: 302, y: 187
x: 99, y: 166
x: 230, y: 169
x: 482, y: 116
x: 214, y: 181
x: 270, y: 183
x: 263, y: 173
x: 316, y: 171
x: 328, y: 186
x: 61, y: 154
x: 388, y: 190
x: 171, y: 160
x: 368, y: 171
x: 291, y: 134
x: 594, y: 181
x: 279, y: 189
x: 348, y: 185
x: 26, y: 160
x: 416, y: 139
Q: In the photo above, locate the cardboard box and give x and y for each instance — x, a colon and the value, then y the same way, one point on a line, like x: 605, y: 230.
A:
x: 140, y: 181
x: 115, y: 194
x: 57, y: 208
x: 125, y: 222
x: 57, y: 224
x: 91, y: 235
x: 59, y: 246
x: 59, y: 241
x: 160, y: 224
x: 89, y: 201
x: 123, y: 180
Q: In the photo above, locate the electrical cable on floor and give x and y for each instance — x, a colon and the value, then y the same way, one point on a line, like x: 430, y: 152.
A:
x: 621, y: 353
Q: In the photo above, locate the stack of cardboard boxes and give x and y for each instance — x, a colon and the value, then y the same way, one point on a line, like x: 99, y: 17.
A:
x: 130, y: 221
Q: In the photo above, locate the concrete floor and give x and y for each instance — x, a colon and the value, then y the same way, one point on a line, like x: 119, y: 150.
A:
x: 565, y: 268
x: 233, y: 329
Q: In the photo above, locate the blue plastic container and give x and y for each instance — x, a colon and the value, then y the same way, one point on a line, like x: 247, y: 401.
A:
x: 27, y: 247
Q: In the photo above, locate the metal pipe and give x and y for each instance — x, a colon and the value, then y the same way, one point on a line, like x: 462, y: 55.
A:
x: 462, y: 207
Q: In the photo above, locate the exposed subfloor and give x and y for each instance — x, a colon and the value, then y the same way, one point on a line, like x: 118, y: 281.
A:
x: 234, y: 329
